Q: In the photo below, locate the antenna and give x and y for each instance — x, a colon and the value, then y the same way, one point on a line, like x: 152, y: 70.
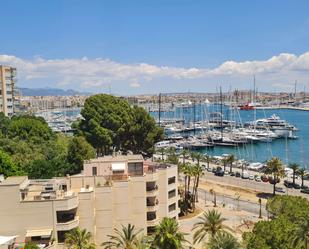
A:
x: 295, y: 88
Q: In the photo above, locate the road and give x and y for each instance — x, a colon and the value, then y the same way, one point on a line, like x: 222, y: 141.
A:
x: 233, y: 203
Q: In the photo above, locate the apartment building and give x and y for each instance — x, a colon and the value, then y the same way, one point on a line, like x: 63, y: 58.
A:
x: 7, y: 90
x: 110, y: 192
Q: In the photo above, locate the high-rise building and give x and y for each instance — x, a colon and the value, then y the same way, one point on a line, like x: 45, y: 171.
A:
x: 110, y: 192
x: 7, y: 90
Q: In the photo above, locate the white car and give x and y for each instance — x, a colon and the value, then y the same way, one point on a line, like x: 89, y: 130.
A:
x: 245, y: 175
x: 251, y: 177
x: 258, y: 179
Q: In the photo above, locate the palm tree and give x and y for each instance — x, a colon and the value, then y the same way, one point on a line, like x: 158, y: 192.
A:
x: 223, y: 240
x: 127, y: 238
x: 144, y: 242
x: 294, y: 167
x: 300, y: 236
x: 274, y: 166
x: 230, y: 159
x: 224, y: 161
x: 168, y: 236
x: 184, y: 154
x: 302, y: 173
x: 198, y: 170
x: 210, y: 224
x: 79, y: 239
x: 208, y: 160
x: 162, y: 152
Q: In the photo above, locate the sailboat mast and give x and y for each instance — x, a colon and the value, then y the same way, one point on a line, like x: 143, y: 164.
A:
x: 295, y: 88
x: 221, y: 116
x: 160, y: 109
x: 194, y: 112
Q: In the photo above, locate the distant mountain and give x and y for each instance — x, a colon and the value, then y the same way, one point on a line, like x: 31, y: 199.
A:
x: 50, y: 92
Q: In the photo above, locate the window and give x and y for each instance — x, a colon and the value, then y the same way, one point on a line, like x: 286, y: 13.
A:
x: 151, y: 230
x: 172, y: 180
x: 135, y: 168
x: 171, y: 193
x: 94, y: 171
x: 172, y: 207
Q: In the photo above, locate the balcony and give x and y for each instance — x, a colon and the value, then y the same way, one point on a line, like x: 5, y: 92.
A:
x: 151, y: 189
x: 151, y: 176
x: 65, y: 226
x: 152, y: 204
x: 67, y: 203
x: 152, y: 219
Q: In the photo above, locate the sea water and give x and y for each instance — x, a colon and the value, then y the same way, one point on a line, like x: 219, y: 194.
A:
x: 288, y: 150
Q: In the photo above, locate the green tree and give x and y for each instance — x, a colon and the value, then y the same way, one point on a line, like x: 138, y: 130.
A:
x: 78, y: 151
x: 172, y: 156
x: 270, y: 234
x: 210, y: 223
x: 144, y: 133
x: 300, y: 234
x: 79, y: 239
x: 127, y: 238
x: 302, y: 173
x: 7, y: 166
x: 294, y: 167
x: 223, y: 240
x: 31, y: 245
x: 275, y: 168
x: 230, y: 160
x: 184, y: 153
x: 287, y: 228
x: 110, y: 121
x: 168, y: 236
x: 29, y: 128
x: 208, y: 160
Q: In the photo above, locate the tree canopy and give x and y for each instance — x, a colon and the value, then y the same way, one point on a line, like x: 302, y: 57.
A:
x: 28, y: 146
x: 110, y: 123
x: 287, y: 229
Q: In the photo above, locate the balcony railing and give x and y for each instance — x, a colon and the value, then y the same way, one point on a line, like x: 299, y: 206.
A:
x: 65, y: 226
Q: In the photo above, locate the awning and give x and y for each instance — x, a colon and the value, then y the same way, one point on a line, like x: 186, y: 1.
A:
x: 118, y: 166
x: 7, y: 240
x: 42, y: 233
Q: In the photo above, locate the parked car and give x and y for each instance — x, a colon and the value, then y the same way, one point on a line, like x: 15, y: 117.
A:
x: 257, y: 178
x: 226, y: 172
x: 288, y: 184
x: 219, y: 173
x: 245, y: 175
x: 304, y: 187
x: 251, y: 177
x: 238, y: 174
x: 264, y: 178
x: 213, y: 170
x: 232, y: 174
x: 296, y: 186
x: 280, y: 190
x: 305, y: 190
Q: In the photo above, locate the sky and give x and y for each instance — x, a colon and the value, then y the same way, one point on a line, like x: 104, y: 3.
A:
x: 151, y: 46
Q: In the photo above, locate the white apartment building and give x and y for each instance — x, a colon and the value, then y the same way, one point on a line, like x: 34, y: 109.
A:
x: 7, y: 90
x: 112, y: 191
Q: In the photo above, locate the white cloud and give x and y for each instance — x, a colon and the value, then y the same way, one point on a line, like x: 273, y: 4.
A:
x: 95, y: 73
x: 135, y: 84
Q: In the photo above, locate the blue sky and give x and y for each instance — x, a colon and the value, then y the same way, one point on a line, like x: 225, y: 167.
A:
x: 156, y: 46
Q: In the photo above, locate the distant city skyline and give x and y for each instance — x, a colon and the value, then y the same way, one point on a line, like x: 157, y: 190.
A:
x: 135, y: 47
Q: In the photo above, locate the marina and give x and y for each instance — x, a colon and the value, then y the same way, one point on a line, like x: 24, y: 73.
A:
x: 253, y: 135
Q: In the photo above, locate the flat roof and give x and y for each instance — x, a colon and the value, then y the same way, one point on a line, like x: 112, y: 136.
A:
x: 119, y: 158
x: 14, y: 180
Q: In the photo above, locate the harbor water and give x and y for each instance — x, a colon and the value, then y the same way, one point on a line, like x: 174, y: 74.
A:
x: 288, y: 150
